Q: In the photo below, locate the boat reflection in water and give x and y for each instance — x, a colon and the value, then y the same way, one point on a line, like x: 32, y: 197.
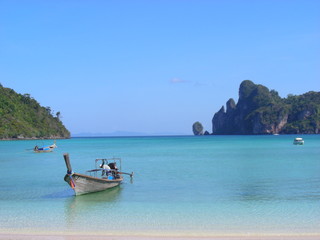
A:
x: 99, y: 206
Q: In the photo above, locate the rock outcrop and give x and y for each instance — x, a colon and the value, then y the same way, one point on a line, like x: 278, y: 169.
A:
x: 197, y: 128
x: 260, y: 111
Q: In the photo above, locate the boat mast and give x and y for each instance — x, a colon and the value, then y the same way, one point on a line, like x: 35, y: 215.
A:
x: 67, y: 160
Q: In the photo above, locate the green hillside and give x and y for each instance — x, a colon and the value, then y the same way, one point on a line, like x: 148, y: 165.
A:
x: 22, y: 117
x: 262, y: 111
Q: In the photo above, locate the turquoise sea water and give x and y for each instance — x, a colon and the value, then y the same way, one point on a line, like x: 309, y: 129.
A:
x: 184, y: 185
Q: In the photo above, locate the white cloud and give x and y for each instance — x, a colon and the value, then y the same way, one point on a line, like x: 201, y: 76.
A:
x: 177, y: 80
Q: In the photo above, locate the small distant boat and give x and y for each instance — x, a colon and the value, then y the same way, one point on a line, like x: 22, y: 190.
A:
x: 48, y: 148
x: 105, y: 175
x: 298, y: 141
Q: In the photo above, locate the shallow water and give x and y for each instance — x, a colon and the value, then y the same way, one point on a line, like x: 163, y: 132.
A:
x: 183, y: 185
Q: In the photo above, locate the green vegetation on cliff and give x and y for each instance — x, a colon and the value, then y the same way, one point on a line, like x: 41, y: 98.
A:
x: 304, y: 114
x: 21, y: 116
x: 260, y: 111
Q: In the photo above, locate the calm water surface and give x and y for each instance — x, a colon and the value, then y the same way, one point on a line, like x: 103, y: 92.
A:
x: 184, y: 185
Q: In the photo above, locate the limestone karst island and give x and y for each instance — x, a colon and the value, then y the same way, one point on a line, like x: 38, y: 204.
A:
x: 22, y: 117
x: 262, y: 111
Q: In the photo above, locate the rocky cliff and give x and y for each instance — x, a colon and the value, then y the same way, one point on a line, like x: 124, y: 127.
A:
x: 261, y: 111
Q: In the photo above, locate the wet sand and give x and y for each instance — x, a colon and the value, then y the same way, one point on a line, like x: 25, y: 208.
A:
x: 64, y: 236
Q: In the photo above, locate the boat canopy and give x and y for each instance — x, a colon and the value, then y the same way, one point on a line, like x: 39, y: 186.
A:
x: 115, y: 161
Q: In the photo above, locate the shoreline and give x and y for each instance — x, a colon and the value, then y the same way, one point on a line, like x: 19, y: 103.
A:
x: 33, y: 138
x: 35, y: 236
x: 50, y: 235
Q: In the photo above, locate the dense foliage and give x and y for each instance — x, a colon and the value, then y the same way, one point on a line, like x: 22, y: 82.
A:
x: 260, y: 111
x: 21, y: 116
x: 304, y: 115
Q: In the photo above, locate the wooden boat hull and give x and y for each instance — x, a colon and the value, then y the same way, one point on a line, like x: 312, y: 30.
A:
x: 83, y: 184
x: 44, y: 150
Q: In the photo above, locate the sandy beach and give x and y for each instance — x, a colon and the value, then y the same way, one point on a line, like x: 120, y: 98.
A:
x: 75, y: 236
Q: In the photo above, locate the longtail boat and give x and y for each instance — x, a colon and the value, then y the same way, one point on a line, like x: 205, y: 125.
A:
x: 106, y: 174
x: 298, y: 141
x: 48, y: 148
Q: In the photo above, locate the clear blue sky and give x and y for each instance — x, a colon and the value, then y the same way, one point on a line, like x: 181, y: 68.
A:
x: 154, y: 66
